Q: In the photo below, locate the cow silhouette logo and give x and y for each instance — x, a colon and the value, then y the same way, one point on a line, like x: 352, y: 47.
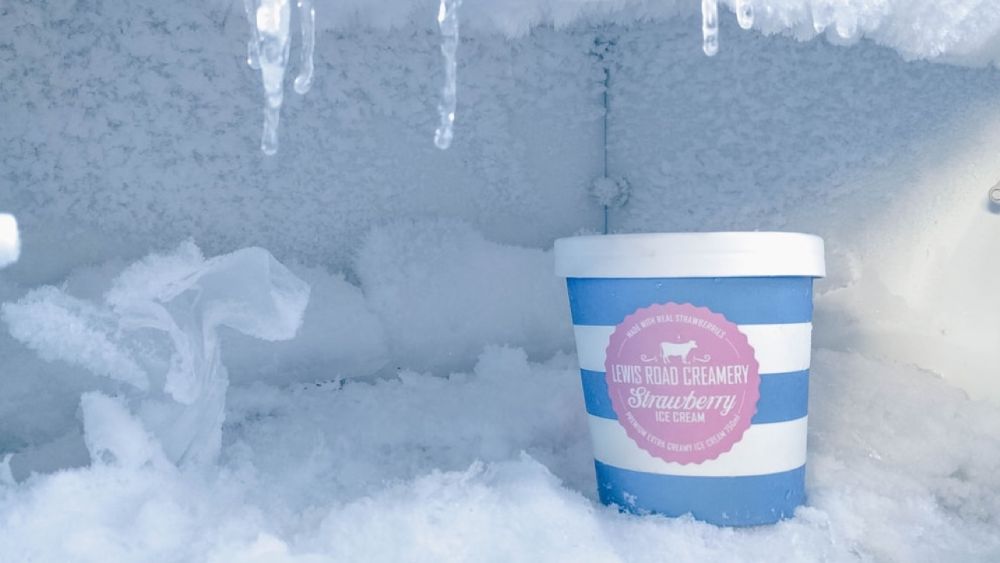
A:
x: 671, y: 352
x: 682, y: 380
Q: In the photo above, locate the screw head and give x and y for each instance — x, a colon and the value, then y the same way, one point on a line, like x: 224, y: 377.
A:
x: 995, y: 195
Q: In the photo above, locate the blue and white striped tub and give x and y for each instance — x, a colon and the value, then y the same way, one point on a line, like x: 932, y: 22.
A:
x: 761, y: 479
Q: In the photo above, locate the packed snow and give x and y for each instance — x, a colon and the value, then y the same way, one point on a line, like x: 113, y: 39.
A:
x: 478, y: 464
x: 397, y: 378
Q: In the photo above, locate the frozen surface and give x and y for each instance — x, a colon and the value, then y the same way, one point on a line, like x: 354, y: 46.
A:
x: 436, y: 473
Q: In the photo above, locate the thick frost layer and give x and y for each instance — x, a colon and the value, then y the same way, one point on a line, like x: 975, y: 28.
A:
x: 436, y: 473
x: 959, y: 31
x: 955, y: 30
x: 442, y: 292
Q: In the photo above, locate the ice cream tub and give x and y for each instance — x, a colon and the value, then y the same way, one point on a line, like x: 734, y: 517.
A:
x: 694, y: 352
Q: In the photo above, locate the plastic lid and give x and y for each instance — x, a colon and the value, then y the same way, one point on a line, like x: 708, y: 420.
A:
x: 690, y: 255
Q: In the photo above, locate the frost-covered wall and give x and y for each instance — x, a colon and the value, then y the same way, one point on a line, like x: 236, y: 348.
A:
x: 890, y: 161
x: 129, y: 124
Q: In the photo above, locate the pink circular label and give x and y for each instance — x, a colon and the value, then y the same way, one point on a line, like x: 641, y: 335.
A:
x: 683, y: 381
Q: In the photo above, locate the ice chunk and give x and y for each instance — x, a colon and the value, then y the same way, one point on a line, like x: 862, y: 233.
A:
x: 157, y: 331
x: 10, y: 241
x: 448, y: 22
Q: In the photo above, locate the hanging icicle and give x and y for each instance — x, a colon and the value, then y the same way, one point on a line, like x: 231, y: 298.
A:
x: 822, y: 16
x: 267, y: 51
x: 307, y: 20
x: 710, y: 27
x: 253, y: 44
x: 272, y: 26
x: 448, y: 22
x: 744, y: 13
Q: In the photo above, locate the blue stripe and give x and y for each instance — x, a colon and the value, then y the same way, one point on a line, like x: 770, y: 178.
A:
x: 783, y: 396
x: 723, y: 501
x: 595, y: 394
x: 775, y: 300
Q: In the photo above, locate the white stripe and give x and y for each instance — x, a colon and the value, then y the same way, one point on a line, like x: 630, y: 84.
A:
x: 779, y: 348
x: 764, y: 449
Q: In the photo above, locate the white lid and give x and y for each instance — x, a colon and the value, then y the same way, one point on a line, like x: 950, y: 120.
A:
x: 690, y: 255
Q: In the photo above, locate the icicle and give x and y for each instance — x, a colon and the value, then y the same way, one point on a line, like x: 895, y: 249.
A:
x: 744, y: 13
x: 307, y: 20
x: 272, y: 25
x: 822, y: 16
x: 267, y: 51
x: 846, y: 25
x: 448, y: 22
x: 710, y: 27
x: 253, y: 44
